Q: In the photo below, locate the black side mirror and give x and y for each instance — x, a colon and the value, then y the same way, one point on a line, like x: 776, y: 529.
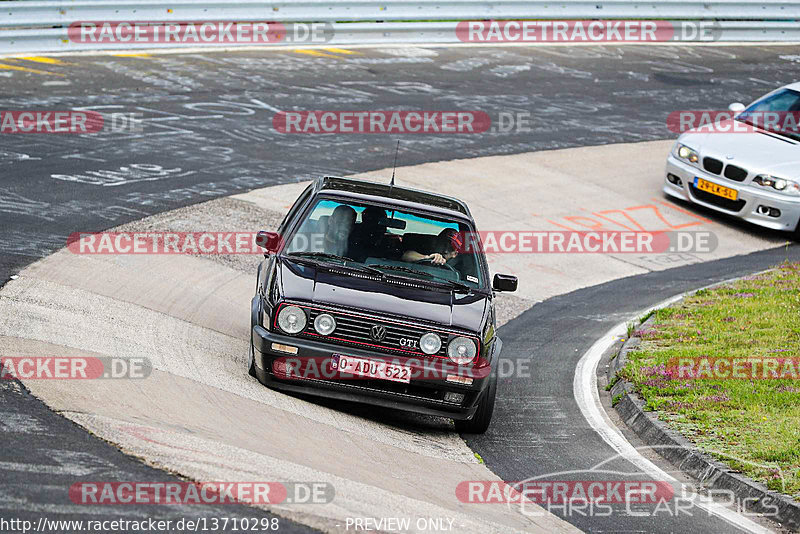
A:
x: 504, y: 282
x: 269, y: 241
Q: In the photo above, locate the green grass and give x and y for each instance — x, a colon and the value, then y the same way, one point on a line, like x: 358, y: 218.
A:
x: 753, y: 425
x: 647, y: 315
x: 612, y: 383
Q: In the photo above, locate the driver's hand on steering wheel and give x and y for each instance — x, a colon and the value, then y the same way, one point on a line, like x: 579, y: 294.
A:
x: 436, y: 258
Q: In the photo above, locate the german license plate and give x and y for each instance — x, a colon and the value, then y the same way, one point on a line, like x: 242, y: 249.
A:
x: 714, y: 189
x: 371, y: 368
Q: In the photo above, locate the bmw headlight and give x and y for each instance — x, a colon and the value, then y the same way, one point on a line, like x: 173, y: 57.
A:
x: 324, y: 324
x: 292, y: 319
x: 787, y: 187
x: 430, y: 343
x: 461, y: 350
x: 688, y: 154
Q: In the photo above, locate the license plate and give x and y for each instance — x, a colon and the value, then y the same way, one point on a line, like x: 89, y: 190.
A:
x: 714, y: 189
x: 371, y: 368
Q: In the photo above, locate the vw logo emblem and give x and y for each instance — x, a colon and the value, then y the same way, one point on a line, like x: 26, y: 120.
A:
x: 377, y: 332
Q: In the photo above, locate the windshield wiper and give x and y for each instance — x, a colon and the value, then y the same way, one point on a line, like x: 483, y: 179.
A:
x: 346, y: 262
x: 455, y: 285
x: 428, y: 276
x: 320, y: 255
x: 402, y: 269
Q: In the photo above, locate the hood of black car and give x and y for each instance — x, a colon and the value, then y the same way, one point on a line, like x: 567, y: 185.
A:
x: 323, y: 286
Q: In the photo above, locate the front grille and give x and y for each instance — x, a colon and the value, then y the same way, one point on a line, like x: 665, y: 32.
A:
x: 712, y: 165
x: 714, y: 200
x: 355, y: 330
x: 737, y: 174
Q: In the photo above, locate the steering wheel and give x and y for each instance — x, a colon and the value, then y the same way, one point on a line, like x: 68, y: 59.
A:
x: 441, y: 265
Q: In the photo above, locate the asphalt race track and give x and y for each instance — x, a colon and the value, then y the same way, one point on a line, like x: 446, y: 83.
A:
x: 541, y: 430
x: 207, y: 118
x: 207, y: 133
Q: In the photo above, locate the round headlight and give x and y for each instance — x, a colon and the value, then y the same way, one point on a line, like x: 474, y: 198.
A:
x: 292, y: 319
x: 462, y: 350
x: 779, y: 184
x: 430, y: 343
x: 324, y: 324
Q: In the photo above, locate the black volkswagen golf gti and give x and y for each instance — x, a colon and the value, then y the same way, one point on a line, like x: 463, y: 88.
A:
x: 379, y: 294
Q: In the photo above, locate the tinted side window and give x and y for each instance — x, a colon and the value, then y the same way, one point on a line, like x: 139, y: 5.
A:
x: 304, y: 196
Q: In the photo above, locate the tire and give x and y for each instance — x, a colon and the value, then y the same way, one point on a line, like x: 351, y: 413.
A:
x: 796, y: 234
x: 483, y: 416
x: 252, y: 365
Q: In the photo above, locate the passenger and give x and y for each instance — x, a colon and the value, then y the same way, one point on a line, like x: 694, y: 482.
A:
x: 338, y: 233
x: 448, y: 245
x: 368, y: 239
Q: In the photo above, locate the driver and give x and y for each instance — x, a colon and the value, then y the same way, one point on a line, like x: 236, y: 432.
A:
x: 447, y: 246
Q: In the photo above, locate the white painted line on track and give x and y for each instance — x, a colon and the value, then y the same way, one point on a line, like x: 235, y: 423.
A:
x: 588, y: 399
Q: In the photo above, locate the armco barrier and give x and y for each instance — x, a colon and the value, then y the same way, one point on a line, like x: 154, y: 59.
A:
x: 26, y: 13
x: 33, y: 26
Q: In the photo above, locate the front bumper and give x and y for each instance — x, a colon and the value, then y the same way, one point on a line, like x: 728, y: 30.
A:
x: 752, y: 196
x: 422, y: 395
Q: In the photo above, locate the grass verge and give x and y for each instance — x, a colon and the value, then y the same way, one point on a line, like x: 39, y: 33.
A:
x: 751, y: 423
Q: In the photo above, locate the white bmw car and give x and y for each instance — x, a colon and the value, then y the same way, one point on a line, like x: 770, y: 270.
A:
x: 747, y: 167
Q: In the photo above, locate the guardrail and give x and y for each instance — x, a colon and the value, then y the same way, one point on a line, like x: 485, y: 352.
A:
x: 39, y: 26
x: 24, y: 13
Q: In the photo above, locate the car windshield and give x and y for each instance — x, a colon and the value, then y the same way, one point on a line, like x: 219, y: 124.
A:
x: 778, y: 113
x: 387, y: 241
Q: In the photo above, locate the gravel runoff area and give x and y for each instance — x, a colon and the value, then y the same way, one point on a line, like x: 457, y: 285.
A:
x: 722, y: 367
x: 234, y: 215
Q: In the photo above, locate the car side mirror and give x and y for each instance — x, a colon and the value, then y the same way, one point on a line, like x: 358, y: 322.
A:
x: 504, y: 282
x: 736, y: 107
x: 269, y: 241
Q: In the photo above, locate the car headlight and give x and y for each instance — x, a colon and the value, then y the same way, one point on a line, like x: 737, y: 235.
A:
x: 787, y: 187
x: 324, y: 324
x: 689, y: 154
x: 292, y: 319
x: 430, y: 343
x: 461, y: 350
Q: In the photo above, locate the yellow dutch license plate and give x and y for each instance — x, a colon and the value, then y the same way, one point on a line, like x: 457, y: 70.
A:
x: 714, y: 189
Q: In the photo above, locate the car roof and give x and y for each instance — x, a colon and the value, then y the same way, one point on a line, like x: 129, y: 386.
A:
x: 397, y: 195
x: 794, y: 86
